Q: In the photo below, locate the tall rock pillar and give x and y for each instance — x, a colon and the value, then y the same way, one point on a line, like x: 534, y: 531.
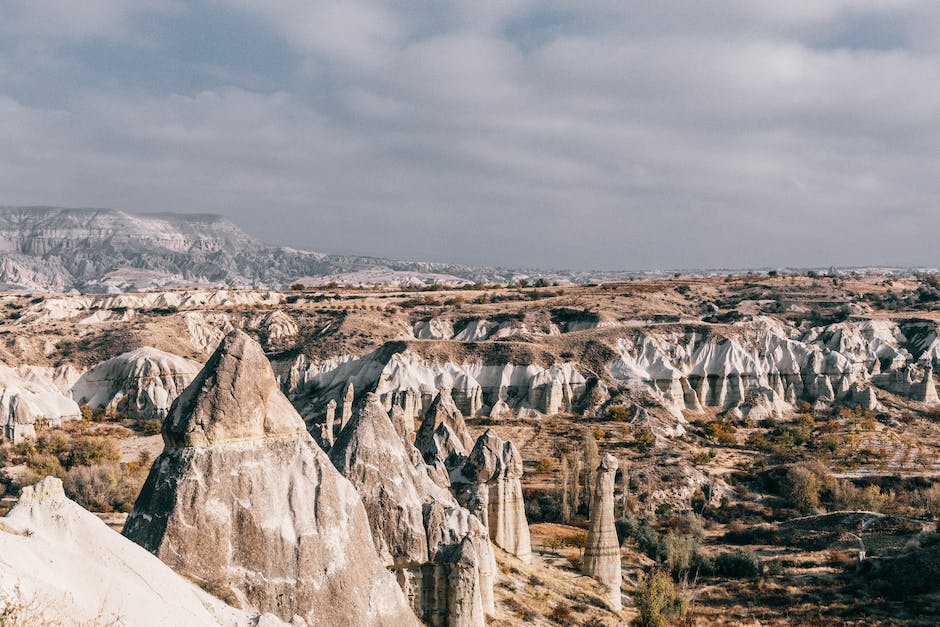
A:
x: 602, y: 551
x: 348, y: 397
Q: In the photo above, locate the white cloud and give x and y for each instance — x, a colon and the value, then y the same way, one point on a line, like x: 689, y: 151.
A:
x: 607, y: 134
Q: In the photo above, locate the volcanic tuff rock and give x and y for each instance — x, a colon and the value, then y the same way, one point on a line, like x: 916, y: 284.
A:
x: 602, y: 550
x: 31, y: 398
x: 488, y: 484
x: 242, y: 499
x: 142, y: 383
x: 443, y: 432
x: 442, y: 562
x: 78, y: 571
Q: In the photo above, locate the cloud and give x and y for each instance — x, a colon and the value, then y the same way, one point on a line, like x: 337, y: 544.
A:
x: 602, y: 134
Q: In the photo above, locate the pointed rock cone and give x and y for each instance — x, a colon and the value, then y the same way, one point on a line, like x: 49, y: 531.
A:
x: 348, y: 397
x: 602, y: 551
x: 443, y: 434
x: 496, y: 466
x: 243, y: 500
x: 397, y: 494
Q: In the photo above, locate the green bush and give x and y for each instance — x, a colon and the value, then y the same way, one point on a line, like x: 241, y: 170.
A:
x: 93, y: 450
x: 678, y: 553
x: 644, y: 439
x: 41, y: 465
x: 152, y: 426
x: 659, y: 601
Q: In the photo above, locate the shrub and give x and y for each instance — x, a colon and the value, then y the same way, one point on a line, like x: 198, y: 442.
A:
x: 932, y: 502
x: 644, y: 439
x: 702, y: 457
x: 678, y: 553
x: 41, y: 465
x: 92, y: 450
x: 869, y: 498
x: 542, y: 505
x: 151, y: 426
x: 56, y: 443
x: 641, y: 530
x: 102, y: 488
x: 722, y: 433
x: 561, y: 613
x: 803, y: 485
x: 618, y: 413
x: 658, y: 600
x: 546, y: 464
x: 738, y: 564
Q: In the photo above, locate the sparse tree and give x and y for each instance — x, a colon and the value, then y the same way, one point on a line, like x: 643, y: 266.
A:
x: 592, y: 459
x: 565, y: 495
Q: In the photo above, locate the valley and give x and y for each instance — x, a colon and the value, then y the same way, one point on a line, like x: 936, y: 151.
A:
x: 766, y: 428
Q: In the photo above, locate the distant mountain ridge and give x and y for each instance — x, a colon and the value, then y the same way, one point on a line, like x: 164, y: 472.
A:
x: 106, y: 250
x: 54, y: 249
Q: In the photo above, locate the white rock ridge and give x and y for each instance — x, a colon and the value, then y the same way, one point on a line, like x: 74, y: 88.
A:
x: 74, y: 570
x: 30, y: 399
x: 142, y: 383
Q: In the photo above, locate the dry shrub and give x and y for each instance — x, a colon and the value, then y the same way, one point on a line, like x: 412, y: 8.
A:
x: 561, y: 613
x: 103, y: 487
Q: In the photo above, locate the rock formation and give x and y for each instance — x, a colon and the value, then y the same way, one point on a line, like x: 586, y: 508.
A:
x: 404, y: 426
x: 602, y: 551
x: 500, y: 410
x: 78, y: 571
x: 439, y: 553
x: 30, y: 401
x: 244, y: 500
x: 443, y: 435
x: 488, y: 484
x: 348, y: 397
x: 141, y: 384
x: 330, y: 420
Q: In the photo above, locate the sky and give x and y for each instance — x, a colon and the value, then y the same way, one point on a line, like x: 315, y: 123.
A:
x: 580, y: 135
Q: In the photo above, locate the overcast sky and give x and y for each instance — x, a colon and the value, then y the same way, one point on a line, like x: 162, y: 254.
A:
x: 620, y: 135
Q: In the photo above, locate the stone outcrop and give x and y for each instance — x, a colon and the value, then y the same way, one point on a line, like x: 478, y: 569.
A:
x: 30, y: 401
x: 243, y: 499
x: 488, y: 484
x: 443, y: 435
x: 141, y: 383
x: 438, y: 551
x: 348, y: 397
x: 500, y: 410
x: 328, y: 434
x: 602, y: 550
x: 77, y: 571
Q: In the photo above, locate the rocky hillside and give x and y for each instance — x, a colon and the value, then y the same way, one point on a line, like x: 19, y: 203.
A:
x: 103, y: 250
